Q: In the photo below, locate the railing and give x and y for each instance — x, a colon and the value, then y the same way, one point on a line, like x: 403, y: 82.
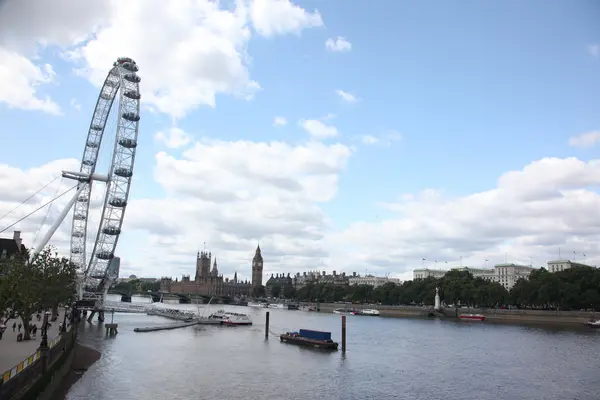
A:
x: 33, y: 367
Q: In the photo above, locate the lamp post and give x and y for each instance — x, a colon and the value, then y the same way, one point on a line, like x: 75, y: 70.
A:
x: 64, y: 324
x: 44, y: 341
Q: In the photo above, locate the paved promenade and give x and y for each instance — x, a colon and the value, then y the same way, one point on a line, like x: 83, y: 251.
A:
x: 13, y: 352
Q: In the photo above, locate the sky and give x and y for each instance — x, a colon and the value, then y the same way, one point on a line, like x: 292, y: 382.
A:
x: 355, y: 136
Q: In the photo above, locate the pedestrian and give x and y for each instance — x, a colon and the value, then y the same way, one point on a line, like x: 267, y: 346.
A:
x: 19, y: 326
x: 14, y: 326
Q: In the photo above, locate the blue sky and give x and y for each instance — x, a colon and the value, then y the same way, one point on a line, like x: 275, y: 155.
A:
x: 474, y: 88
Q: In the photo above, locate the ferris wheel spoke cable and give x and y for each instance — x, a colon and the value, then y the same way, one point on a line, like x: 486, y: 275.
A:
x: 47, y: 212
x: 30, y: 197
x: 38, y: 209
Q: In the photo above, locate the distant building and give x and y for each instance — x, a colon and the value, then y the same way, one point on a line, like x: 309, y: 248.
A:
x: 561, y: 265
x: 9, y: 248
x: 505, y: 274
x: 278, y: 280
x: 426, y: 273
x: 209, y: 282
x: 374, y: 281
x: 314, y: 277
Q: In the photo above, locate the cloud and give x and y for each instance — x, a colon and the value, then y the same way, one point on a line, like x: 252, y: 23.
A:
x: 19, y: 80
x: 318, y: 129
x: 188, y: 52
x: 233, y: 194
x: 174, y: 138
x: 384, y: 139
x: 279, y: 121
x: 75, y: 105
x: 339, y: 44
x: 279, y: 17
x: 350, y: 98
x: 588, y: 139
x: 230, y: 195
x: 594, y: 50
x: 530, y: 213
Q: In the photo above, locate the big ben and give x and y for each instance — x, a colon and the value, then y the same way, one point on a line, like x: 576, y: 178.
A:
x: 257, y: 268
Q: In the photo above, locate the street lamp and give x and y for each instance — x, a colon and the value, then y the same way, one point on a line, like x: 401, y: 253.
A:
x: 44, y: 341
x: 64, y: 324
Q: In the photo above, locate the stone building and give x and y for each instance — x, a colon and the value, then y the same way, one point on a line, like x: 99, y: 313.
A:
x: 209, y: 282
x: 314, y: 277
x: 278, y: 280
x: 9, y: 248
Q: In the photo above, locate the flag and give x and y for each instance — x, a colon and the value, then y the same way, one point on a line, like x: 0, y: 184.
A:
x: 423, y: 258
x: 446, y: 262
x: 584, y: 255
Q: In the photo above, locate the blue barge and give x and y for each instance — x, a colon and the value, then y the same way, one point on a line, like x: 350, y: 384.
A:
x: 306, y: 337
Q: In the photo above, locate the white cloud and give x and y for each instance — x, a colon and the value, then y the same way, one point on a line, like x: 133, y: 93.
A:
x: 318, y: 129
x: 384, y: 139
x: 279, y: 121
x: 174, y: 138
x: 187, y: 51
x: 75, y: 105
x: 348, y: 97
x: 594, y: 50
x: 233, y: 194
x: 228, y: 194
x: 339, y: 44
x: 19, y: 80
x: 588, y: 139
x: 278, y: 17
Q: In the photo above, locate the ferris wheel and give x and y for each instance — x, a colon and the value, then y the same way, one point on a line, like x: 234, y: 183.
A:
x: 99, y: 271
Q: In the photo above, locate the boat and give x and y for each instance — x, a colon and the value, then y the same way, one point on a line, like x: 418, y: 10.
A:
x: 257, y: 305
x: 593, y: 323
x: 310, y: 338
x: 368, y: 311
x: 231, y: 318
x: 344, y: 311
x: 277, y: 305
x: 472, y: 317
x: 308, y: 308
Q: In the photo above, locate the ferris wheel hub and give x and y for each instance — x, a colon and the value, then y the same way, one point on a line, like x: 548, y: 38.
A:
x: 83, y: 177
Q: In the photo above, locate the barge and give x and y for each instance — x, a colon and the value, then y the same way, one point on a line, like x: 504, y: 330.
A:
x: 472, y: 317
x: 593, y: 323
x: 306, y: 337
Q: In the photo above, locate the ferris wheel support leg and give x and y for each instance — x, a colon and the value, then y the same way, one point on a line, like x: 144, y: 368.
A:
x: 57, y: 223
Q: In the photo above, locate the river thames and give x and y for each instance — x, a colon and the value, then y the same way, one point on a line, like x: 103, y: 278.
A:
x: 387, y: 358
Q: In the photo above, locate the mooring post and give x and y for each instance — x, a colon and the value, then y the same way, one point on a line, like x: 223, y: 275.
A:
x: 343, y: 333
x: 267, y: 325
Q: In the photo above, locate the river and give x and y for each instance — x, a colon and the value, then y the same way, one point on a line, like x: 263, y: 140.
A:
x: 386, y: 358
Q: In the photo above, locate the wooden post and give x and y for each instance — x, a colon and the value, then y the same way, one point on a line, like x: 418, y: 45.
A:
x: 343, y: 333
x: 267, y: 325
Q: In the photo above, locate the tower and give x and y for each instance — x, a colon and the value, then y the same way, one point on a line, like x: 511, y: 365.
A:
x: 257, y: 268
x: 215, y: 270
x: 203, y: 265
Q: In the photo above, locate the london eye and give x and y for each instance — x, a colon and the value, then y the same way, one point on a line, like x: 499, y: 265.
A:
x: 101, y: 268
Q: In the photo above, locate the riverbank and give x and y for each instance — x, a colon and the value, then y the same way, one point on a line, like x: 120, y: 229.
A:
x: 85, y: 357
x: 567, y: 318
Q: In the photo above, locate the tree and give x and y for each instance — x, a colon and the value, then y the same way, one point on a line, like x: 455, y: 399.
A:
x: 45, y: 281
x: 289, y: 292
x: 60, y: 278
x: 258, y: 291
x: 275, y: 290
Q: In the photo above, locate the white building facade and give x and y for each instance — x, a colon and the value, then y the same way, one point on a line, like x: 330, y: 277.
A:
x: 426, y: 273
x: 561, y: 265
x: 505, y: 274
x: 374, y: 281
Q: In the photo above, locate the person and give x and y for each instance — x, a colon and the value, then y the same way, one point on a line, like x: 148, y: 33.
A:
x: 19, y: 327
x: 14, y: 326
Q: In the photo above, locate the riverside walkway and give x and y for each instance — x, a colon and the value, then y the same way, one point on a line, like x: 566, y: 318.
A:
x: 13, y: 352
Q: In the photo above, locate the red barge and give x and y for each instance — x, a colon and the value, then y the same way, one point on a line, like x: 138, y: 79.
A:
x: 472, y: 317
x: 306, y: 337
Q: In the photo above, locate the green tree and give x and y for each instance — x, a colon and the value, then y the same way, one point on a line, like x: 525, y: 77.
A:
x: 59, y: 277
x: 289, y: 292
x: 258, y: 291
x: 276, y: 290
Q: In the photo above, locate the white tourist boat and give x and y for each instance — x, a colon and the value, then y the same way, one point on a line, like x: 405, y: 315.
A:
x: 344, y: 311
x: 278, y: 305
x: 593, y: 323
x: 369, y: 312
x: 231, y: 318
x: 257, y: 305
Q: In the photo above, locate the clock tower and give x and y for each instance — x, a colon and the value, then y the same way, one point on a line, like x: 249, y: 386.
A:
x: 257, y: 268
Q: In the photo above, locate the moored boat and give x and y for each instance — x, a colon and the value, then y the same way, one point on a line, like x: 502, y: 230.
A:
x: 306, y: 337
x: 593, y: 323
x: 344, y: 311
x: 257, y: 305
x: 231, y: 318
x: 369, y: 312
x: 277, y: 305
x: 308, y: 308
x: 472, y: 317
